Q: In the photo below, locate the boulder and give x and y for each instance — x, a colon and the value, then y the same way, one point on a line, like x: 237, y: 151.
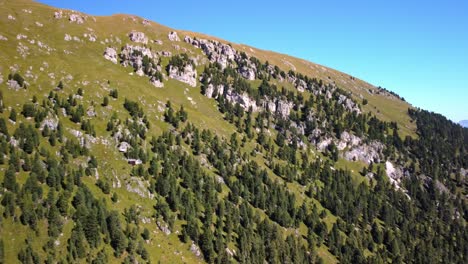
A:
x: 195, y: 250
x: 164, y: 228
x: 13, y: 85
x: 58, y: 14
x: 67, y: 37
x: 138, y: 37
x: 110, y: 54
x: 247, y: 72
x: 76, y: 18
x: 173, y: 36
x: 157, y: 83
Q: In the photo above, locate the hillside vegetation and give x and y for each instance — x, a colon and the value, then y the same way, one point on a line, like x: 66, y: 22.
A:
x: 124, y: 141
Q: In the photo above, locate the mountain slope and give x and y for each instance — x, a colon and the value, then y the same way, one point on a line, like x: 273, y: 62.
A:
x: 123, y: 141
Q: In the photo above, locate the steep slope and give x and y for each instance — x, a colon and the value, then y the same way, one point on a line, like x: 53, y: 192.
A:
x: 123, y: 140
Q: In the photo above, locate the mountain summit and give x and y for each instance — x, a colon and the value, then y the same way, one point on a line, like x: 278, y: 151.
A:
x: 125, y: 141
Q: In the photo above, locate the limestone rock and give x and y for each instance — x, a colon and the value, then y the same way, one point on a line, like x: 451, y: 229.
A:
x: 157, y: 83
x: 13, y: 85
x: 58, y: 14
x: 283, y: 108
x: 187, y: 75
x: 348, y: 140
x: 164, y: 228
x: 138, y: 37
x: 76, y: 18
x: 247, y: 72
x: 195, y: 250
x: 348, y: 104
x: 367, y: 153
x: 173, y: 36
x: 67, y: 37
x: 110, y: 54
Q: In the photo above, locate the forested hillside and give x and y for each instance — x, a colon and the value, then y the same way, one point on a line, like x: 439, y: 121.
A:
x: 123, y: 141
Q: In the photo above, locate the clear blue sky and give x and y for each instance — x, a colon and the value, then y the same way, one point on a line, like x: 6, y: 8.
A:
x: 416, y: 48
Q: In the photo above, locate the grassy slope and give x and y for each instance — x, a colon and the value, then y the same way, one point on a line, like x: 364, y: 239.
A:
x: 87, y: 64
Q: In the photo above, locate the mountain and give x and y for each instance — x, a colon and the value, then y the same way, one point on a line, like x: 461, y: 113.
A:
x: 123, y: 140
x: 464, y: 123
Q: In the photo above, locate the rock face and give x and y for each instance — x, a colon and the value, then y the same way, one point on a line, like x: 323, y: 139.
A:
x: 186, y: 75
x: 110, y: 54
x: 138, y: 37
x: 173, y: 36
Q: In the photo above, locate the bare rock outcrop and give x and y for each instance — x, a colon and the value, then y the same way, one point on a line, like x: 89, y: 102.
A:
x: 348, y: 104
x: 247, y: 72
x: 186, y: 75
x: 173, y: 36
x: 76, y: 18
x: 58, y: 14
x: 138, y: 37
x: 110, y: 54
x: 283, y: 108
x: 348, y: 140
x: 367, y: 153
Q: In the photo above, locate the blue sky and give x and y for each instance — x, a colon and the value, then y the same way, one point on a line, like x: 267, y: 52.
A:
x: 418, y: 49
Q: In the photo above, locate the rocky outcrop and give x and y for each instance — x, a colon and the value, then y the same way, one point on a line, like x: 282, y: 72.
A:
x: 173, y: 36
x: 138, y: 37
x: 242, y: 99
x: 186, y: 75
x: 213, y: 92
x: 110, y: 54
x: 164, y: 228
x: 301, y: 85
x: 247, y: 72
x: 51, y: 122
x: 348, y: 140
x: 367, y: 153
x: 13, y: 84
x: 348, y: 104
x: 76, y: 18
x: 195, y: 250
x: 156, y: 82
x: 138, y: 186
x: 283, y: 108
x: 143, y: 61
x: 58, y: 14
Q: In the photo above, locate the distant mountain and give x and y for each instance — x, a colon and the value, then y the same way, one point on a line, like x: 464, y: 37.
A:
x: 464, y: 123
